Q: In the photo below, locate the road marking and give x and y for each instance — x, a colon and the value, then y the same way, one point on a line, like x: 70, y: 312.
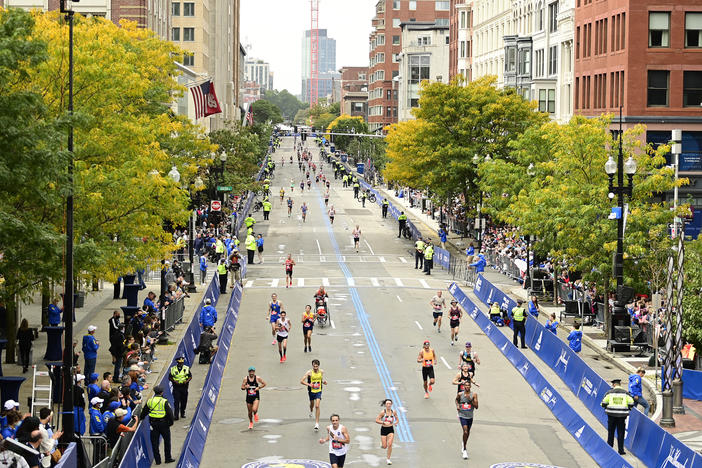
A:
x: 399, y: 298
x: 369, y: 247
x: 445, y: 363
x: 402, y: 259
x: 332, y: 324
x: 249, y: 283
x: 382, y: 259
x: 424, y: 283
x: 418, y: 325
x: 274, y: 282
x: 343, y: 258
x: 398, y: 282
x: 300, y: 282
x: 325, y: 281
x: 374, y: 282
x: 350, y: 281
x: 322, y: 259
x: 319, y: 247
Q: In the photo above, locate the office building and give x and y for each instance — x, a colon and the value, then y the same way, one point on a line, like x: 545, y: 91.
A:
x: 460, y: 39
x: 354, y: 91
x: 259, y: 71
x: 326, y: 65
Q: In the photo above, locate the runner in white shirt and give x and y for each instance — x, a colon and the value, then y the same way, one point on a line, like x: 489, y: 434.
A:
x: 438, y: 305
x: 338, y: 438
x: 331, y: 213
x: 356, y: 237
x: 282, y: 326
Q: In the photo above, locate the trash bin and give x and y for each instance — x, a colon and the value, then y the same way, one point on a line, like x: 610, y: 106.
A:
x: 344, y: 158
x: 360, y: 168
x: 79, y: 299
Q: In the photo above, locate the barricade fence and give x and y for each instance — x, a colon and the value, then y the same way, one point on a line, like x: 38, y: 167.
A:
x: 173, y: 314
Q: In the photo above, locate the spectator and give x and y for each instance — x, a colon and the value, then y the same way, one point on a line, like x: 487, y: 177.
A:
x: 116, y: 427
x: 55, y: 313
x: 79, y: 405
x: 479, y: 264
x: 90, y: 349
x: 11, y: 459
x: 93, y: 388
x: 14, y: 418
x: 575, y: 338
x: 552, y: 324
x: 27, y: 428
x: 25, y: 336
x: 33, y: 441
x: 49, y: 438
x: 203, y: 268
x: 443, y: 235
x: 534, y: 308
x: 636, y: 391
x: 206, y: 345
x: 97, y: 426
x: 149, y: 302
x: 208, y: 315
x: 114, y: 323
x: 117, y: 349
x: 470, y: 253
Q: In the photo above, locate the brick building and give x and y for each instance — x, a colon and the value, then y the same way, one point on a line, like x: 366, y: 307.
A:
x: 460, y: 39
x: 385, y: 45
x: 354, y: 91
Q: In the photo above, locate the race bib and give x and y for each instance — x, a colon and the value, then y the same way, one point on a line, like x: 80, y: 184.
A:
x: 461, y: 387
x: 316, y: 385
x: 252, y: 391
x: 427, y: 363
x: 466, y: 406
x: 337, y: 445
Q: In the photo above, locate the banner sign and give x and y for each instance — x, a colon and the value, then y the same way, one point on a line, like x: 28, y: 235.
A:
x: 69, y: 458
x: 693, y: 384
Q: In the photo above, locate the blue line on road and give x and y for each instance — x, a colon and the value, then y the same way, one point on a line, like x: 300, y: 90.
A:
x: 403, y: 428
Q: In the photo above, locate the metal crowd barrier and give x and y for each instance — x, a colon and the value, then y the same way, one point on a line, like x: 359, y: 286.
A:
x: 173, y: 314
x: 459, y: 270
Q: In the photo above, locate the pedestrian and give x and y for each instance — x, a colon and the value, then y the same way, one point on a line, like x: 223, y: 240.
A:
x: 443, y: 235
x: 259, y: 247
x: 90, y: 349
x: 252, y: 384
x: 222, y: 272
x: 387, y: 420
x: 419, y: 254
x: 250, y: 248
x: 356, y: 237
x: 208, y: 315
x: 636, y: 391
x: 402, y: 223
x: 79, y: 405
x: 314, y: 381
x: 466, y: 404
x: 203, y: 268
x: 338, y: 438
x: 428, y: 257
x: 384, y: 207
x: 55, y: 313
x: 575, y: 338
x: 161, y: 419
x: 180, y: 377
x: 438, y: 304
x: 25, y: 336
x: 552, y: 324
x: 427, y: 358
x: 267, y: 206
x: 114, y: 323
x: 519, y: 318
x: 617, y: 403
x: 331, y: 213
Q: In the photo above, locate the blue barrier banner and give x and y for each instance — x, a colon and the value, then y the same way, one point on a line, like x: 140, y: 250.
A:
x: 692, y: 384
x: 139, y: 453
x: 674, y: 453
x: 69, y: 459
x: 442, y: 257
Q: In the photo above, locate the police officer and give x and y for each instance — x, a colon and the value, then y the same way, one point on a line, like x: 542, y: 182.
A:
x: 356, y: 187
x: 385, y: 207
x: 222, y: 272
x: 266, y: 209
x: 419, y: 253
x: 402, y: 220
x: 249, y: 222
x: 519, y: 320
x: 180, y: 376
x: 617, y: 403
x: 161, y: 419
x: 428, y: 257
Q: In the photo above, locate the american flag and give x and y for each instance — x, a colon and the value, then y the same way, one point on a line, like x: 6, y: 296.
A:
x: 249, y: 116
x: 205, y: 99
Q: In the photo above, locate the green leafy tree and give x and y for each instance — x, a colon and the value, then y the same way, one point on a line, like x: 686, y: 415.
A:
x: 265, y: 112
x: 322, y: 115
x: 288, y: 104
x: 347, y: 124
x: 692, y: 299
x: 243, y: 148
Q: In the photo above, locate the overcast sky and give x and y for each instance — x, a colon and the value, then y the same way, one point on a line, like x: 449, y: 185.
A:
x: 274, y: 28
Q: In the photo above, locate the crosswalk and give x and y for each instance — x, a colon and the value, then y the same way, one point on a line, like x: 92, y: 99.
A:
x: 332, y: 258
x: 344, y: 282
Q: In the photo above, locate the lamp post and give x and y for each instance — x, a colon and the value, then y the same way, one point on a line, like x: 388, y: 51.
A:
x: 527, y: 280
x: 174, y: 175
x: 479, y: 208
x: 198, y: 184
x: 620, y: 168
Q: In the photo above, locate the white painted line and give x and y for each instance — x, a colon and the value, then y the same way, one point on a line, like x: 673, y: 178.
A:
x: 248, y: 284
x: 399, y: 298
x: 445, y: 363
x: 322, y: 259
x: 418, y: 325
x: 343, y: 258
x: 402, y: 259
x: 332, y: 324
x: 350, y: 281
x: 398, y: 282
x: 424, y: 284
x: 325, y: 281
x: 382, y: 259
x: 300, y: 282
x: 374, y: 282
x: 369, y: 247
x: 319, y: 247
x: 274, y: 282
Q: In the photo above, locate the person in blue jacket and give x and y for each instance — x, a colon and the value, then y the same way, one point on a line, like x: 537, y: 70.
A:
x: 14, y: 419
x: 203, y: 268
x: 443, y: 235
x: 534, y: 306
x: 97, y: 426
x: 149, y: 301
x: 93, y: 388
x: 552, y: 324
x: 90, y: 349
x: 479, y: 264
x: 575, y: 338
x: 636, y: 391
x: 55, y: 313
x: 110, y: 412
x: 208, y: 315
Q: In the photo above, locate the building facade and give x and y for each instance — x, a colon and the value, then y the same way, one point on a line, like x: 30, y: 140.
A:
x: 424, y: 57
x: 385, y: 47
x: 461, y: 39
x: 326, y: 64
x: 492, y: 21
x: 259, y: 71
x: 354, y: 91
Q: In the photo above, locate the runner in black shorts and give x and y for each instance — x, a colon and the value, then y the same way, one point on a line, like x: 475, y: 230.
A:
x: 455, y: 320
x: 289, y: 264
x: 438, y: 304
x: 252, y: 384
x: 387, y: 420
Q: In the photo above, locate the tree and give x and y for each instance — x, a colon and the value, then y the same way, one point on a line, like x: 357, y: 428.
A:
x: 302, y: 116
x: 346, y: 124
x: 322, y: 115
x: 288, y: 104
x: 692, y: 299
x: 265, y: 112
x: 243, y: 149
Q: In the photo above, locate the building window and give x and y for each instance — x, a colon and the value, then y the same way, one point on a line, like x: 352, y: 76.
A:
x: 463, y: 49
x: 189, y: 60
x: 413, y: 4
x: 419, y: 68
x: 388, y: 93
x: 659, y: 29
x: 396, y: 22
x: 525, y: 62
x: 188, y: 9
x: 380, y: 40
x: 395, y: 40
x: 658, y: 87
x: 175, y: 34
x: 189, y: 34
x: 511, y: 62
x: 441, y: 5
x: 175, y: 9
x: 395, y: 58
x: 424, y: 40
x: 547, y: 100
x: 692, y: 88
x: 540, y: 18
x: 693, y: 29
x: 395, y: 4
x: 553, y: 60
x: 463, y: 20
x: 539, y: 63
x: 442, y: 21
x: 553, y: 17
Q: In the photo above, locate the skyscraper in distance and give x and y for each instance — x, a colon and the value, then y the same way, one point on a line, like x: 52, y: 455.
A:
x: 326, y: 66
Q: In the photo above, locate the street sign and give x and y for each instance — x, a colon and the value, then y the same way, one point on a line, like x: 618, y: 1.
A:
x: 224, y: 188
x: 216, y: 205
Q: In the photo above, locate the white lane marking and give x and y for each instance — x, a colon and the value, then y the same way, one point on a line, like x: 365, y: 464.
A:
x: 369, y: 247
x: 418, y: 325
x: 249, y: 283
x: 343, y: 258
x: 350, y: 281
x: 398, y: 282
x: 402, y: 259
x: 274, y: 282
x: 319, y: 247
x: 325, y: 281
x: 445, y: 363
x: 332, y: 324
x: 322, y: 259
x: 424, y: 283
x: 399, y: 298
x: 300, y: 282
x: 374, y: 282
x: 382, y: 259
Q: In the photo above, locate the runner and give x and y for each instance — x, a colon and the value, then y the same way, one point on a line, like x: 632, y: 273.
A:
x: 303, y: 208
x: 314, y: 380
x: 252, y: 384
x: 387, y: 420
x: 282, y: 195
x: 307, y: 326
x: 438, y: 303
x: 356, y: 237
x: 283, y: 327
x: 463, y: 376
x: 290, y: 205
x: 466, y: 403
x: 454, y: 320
x: 274, y: 308
x: 470, y: 358
x: 331, y: 213
x: 292, y: 185
x: 289, y: 264
x: 427, y: 357
x: 326, y: 196
x: 338, y: 438
x: 302, y: 185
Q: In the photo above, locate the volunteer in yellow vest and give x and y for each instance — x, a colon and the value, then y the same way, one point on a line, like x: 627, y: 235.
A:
x: 180, y: 376
x: 428, y: 257
x: 402, y: 220
x: 419, y: 253
x: 266, y: 189
x: 266, y: 209
x: 427, y: 357
x: 346, y: 180
x: 250, y: 248
x: 222, y: 272
x: 617, y: 403
x: 249, y: 222
x: 356, y: 187
x: 219, y: 248
x: 160, y: 419
x: 495, y: 311
x: 519, y: 320
x: 314, y: 380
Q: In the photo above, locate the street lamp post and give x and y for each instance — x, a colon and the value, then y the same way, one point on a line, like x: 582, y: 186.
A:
x: 527, y: 280
x: 198, y: 185
x: 620, y: 168
x: 479, y: 208
x: 174, y: 175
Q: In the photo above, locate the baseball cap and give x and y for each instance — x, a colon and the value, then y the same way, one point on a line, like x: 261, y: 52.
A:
x: 426, y: 341
x: 92, y: 328
x: 79, y: 377
x: 468, y: 345
x: 134, y: 367
x: 93, y: 376
x: 120, y: 412
x: 96, y: 400
x: 208, y: 301
x: 252, y: 368
x: 114, y: 405
x: 11, y: 404
x: 454, y: 301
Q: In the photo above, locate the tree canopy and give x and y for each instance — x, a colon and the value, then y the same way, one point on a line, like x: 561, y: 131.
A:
x: 265, y: 112
x: 346, y: 124
x: 288, y: 104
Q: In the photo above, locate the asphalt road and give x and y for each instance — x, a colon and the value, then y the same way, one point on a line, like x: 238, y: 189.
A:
x: 380, y: 317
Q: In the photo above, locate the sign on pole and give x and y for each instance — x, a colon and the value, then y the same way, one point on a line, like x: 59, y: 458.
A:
x: 224, y: 188
x: 216, y: 205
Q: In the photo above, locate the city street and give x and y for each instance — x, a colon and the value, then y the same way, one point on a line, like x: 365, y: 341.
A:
x: 380, y: 315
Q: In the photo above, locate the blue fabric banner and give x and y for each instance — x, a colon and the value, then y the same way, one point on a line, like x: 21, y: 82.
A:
x: 692, y: 384
x: 69, y: 459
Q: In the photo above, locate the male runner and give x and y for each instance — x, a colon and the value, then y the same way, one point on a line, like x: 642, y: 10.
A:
x: 469, y: 358
x: 274, y: 309
x: 303, y: 208
x: 338, y: 438
x: 282, y: 195
x: 283, y: 327
x: 427, y: 357
x: 289, y: 264
x: 314, y: 380
x: 466, y: 403
x: 454, y: 320
x: 438, y: 305
x: 290, y: 206
x: 252, y: 384
x: 356, y: 237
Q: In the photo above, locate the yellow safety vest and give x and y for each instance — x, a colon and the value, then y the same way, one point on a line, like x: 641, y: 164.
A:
x: 250, y: 243
x: 267, y: 206
x: 157, y: 407
x: 617, y: 402
x: 249, y: 221
x: 402, y: 218
x: 429, y: 252
x: 180, y: 376
x: 518, y: 314
x: 419, y: 245
x: 219, y: 246
x: 222, y: 269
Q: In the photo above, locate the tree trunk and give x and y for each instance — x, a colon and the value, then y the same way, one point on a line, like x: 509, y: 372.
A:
x: 11, y: 329
x: 45, y: 301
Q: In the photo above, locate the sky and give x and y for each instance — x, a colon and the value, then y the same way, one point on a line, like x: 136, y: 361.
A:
x: 274, y: 28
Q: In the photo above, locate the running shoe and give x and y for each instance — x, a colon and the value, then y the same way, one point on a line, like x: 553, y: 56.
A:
x: 439, y: 330
x: 465, y: 455
x: 285, y: 358
x: 311, y: 414
x: 426, y: 395
x: 282, y: 360
x: 389, y: 462
x: 430, y: 388
x: 250, y: 425
x: 316, y: 427
x: 452, y: 343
